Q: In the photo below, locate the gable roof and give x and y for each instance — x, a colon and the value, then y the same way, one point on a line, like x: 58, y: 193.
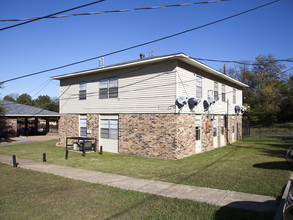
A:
x: 178, y: 56
x: 14, y: 109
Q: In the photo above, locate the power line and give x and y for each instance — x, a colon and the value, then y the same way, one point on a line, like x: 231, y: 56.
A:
x: 117, y: 11
x: 36, y: 19
x: 142, y: 44
x: 242, y: 62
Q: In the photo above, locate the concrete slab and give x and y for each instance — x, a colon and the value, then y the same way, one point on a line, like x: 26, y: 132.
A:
x: 24, y: 139
x: 200, y: 194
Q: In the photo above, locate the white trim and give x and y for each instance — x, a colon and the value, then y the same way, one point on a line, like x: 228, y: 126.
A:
x: 180, y: 56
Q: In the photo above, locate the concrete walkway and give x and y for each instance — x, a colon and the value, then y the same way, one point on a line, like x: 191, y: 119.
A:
x: 25, y: 139
x: 199, y: 194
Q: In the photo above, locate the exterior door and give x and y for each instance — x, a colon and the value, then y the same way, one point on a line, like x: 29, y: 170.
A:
x: 109, y: 129
x: 215, y: 135
x: 233, y: 129
x: 222, y: 134
x: 198, y: 135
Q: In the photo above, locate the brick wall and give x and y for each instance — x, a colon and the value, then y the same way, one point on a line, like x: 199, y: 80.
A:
x: 93, y: 126
x: 149, y: 135
x: 68, y: 127
x: 166, y: 136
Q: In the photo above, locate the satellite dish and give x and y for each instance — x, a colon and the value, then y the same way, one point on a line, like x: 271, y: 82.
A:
x: 192, y: 102
x: 211, y: 100
x: 242, y: 109
x: 181, y: 101
x: 206, y: 105
x: 237, y: 109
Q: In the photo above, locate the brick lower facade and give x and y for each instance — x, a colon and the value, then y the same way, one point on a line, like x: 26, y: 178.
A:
x: 165, y: 136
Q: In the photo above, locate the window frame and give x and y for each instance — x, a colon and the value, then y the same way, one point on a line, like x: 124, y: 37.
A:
x: 110, y: 131
x: 82, y: 129
x: 234, y: 96
x: 216, y: 91
x: 223, y: 93
x: 198, y: 86
x: 82, y: 90
x: 108, y: 88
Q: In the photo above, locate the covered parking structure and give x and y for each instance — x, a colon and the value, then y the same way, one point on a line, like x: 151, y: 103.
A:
x: 15, y: 112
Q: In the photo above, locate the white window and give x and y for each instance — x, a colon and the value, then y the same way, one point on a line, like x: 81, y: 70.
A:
x: 223, y: 93
x: 198, y: 87
x: 109, y: 128
x: 216, y: 91
x: 234, y: 96
x: 82, y: 90
x: 82, y: 125
x: 108, y: 88
x: 197, y: 129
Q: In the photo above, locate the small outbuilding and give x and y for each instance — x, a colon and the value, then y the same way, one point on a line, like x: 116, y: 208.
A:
x: 22, y: 119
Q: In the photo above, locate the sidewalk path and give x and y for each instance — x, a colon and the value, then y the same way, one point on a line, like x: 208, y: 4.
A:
x: 200, y: 194
x: 24, y: 139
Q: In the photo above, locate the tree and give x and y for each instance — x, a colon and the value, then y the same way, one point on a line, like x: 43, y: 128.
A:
x: 2, y: 109
x: 42, y: 101
x: 265, y: 80
x: 11, y: 97
x: 286, y: 113
x: 25, y: 99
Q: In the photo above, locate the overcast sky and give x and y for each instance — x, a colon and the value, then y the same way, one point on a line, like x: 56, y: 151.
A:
x: 50, y: 43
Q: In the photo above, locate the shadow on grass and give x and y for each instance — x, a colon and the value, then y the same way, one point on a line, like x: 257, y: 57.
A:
x: 277, y: 165
x: 272, y: 150
x: 242, y: 210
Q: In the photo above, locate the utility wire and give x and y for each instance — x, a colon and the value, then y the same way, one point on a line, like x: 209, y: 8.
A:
x: 36, y: 19
x: 242, y: 62
x: 117, y: 11
x: 142, y: 44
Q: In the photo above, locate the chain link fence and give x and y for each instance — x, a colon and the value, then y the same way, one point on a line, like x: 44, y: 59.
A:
x: 276, y: 132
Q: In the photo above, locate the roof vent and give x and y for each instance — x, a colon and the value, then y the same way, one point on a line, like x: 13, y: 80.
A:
x: 141, y: 56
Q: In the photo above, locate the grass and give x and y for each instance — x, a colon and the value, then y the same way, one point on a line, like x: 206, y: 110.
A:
x: 250, y: 167
x: 26, y: 194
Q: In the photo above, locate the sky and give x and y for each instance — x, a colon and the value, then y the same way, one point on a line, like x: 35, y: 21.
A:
x: 50, y: 43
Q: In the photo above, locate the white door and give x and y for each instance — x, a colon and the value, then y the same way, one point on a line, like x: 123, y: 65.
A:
x: 215, y: 138
x: 109, y: 128
x: 222, y: 133
x: 198, y: 135
x: 233, y: 129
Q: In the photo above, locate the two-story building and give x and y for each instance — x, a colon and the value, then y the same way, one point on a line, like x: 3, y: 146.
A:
x: 130, y: 107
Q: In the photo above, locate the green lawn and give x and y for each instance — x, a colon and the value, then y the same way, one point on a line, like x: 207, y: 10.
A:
x: 26, y: 194
x: 251, y: 167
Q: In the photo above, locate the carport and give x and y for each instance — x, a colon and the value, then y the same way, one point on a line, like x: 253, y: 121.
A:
x: 15, y: 111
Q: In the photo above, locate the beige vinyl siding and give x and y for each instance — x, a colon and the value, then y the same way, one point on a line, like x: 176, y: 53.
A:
x: 186, y: 81
x: 149, y: 89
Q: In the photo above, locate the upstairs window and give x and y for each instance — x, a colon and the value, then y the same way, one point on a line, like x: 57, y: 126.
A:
x: 108, y: 88
x: 198, y: 87
x: 223, y: 93
x: 216, y: 91
x: 234, y: 96
x: 82, y: 90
